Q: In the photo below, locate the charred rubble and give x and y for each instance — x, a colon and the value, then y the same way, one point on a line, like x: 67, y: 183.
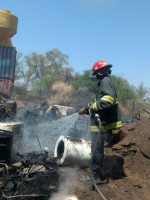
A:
x: 36, y: 176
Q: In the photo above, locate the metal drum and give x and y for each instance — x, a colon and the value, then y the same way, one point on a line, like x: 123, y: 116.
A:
x: 6, y: 139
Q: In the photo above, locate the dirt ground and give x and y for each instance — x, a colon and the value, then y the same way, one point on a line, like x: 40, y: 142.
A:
x: 126, y: 168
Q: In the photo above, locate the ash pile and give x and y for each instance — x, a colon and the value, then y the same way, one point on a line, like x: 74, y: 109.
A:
x: 35, y: 177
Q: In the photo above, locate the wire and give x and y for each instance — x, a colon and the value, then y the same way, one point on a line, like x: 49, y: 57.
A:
x: 91, y: 172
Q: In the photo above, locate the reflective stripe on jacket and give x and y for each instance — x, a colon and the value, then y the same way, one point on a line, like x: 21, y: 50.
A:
x: 106, y: 128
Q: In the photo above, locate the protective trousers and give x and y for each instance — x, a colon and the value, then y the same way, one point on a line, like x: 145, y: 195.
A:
x: 98, y: 137
x: 97, y: 148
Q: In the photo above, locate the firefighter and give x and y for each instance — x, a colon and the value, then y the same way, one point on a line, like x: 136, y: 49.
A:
x: 106, y: 108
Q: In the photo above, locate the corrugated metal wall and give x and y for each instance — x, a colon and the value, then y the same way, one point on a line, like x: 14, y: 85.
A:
x: 7, y: 62
x: 7, y: 68
x: 5, y: 86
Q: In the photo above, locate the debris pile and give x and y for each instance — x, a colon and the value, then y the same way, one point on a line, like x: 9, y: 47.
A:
x: 36, y: 176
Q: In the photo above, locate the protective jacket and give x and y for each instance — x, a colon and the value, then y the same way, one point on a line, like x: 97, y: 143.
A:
x: 106, y: 105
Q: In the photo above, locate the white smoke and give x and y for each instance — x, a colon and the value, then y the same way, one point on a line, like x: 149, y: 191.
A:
x: 68, y: 182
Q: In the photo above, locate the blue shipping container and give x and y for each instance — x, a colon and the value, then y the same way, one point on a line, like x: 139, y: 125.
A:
x: 7, y: 62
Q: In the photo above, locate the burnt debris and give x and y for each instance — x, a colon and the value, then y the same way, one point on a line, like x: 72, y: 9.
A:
x: 36, y: 176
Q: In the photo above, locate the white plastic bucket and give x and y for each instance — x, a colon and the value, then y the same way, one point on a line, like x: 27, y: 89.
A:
x: 73, y: 151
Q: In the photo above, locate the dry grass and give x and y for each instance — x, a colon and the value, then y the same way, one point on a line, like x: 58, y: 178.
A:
x: 129, y: 108
x: 61, y: 94
x: 62, y: 87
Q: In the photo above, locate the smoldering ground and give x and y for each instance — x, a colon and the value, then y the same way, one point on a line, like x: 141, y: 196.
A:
x: 68, y: 181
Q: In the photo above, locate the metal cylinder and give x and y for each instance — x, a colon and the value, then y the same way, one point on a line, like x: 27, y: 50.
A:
x: 16, y: 129
x: 72, y: 151
x: 5, y: 146
x: 8, y: 24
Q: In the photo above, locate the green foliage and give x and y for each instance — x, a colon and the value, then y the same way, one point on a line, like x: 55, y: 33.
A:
x: 41, y: 71
x: 124, y: 89
x: 18, y: 92
x: 42, y: 86
x: 19, y: 71
x: 142, y: 91
x: 83, y: 81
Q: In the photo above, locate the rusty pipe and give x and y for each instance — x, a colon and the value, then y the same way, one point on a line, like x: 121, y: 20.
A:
x: 23, y: 195
x: 5, y: 175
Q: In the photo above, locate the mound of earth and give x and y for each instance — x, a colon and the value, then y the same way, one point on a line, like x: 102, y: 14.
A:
x: 126, y: 168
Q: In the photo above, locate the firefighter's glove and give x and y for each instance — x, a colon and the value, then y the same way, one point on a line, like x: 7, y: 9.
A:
x: 83, y: 111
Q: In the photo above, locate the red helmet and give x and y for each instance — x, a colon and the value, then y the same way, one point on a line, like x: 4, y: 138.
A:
x: 99, y: 65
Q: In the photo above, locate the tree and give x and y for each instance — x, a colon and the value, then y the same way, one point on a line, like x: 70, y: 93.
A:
x: 48, y: 68
x: 19, y: 71
x: 42, y: 71
x: 55, y: 61
x: 124, y: 89
x: 24, y: 72
x: 67, y: 74
x: 142, y: 91
x: 82, y: 81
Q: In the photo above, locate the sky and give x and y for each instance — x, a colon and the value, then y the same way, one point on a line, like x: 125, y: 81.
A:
x: 116, y: 31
